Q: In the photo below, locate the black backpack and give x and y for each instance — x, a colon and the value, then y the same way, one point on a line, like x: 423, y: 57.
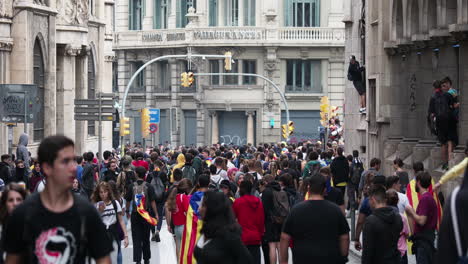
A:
x: 356, y: 173
x: 158, y: 186
x: 314, y: 170
x: 188, y: 172
x: 441, y: 106
x: 281, y: 207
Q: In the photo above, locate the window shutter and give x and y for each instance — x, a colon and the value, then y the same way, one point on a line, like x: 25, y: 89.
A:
x: 157, y: 14
x: 130, y: 14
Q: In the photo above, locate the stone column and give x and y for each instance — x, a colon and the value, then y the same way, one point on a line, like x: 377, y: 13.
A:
x: 66, y: 82
x: 149, y: 15
x: 81, y: 90
x: 214, y: 128
x: 5, y: 49
x: 250, y: 127
x: 175, y: 103
x: 240, y: 22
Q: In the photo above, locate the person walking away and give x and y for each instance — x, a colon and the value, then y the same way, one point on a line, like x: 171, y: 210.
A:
x: 56, y: 215
x: 340, y: 171
x: 219, y: 168
x: 425, y: 221
x: 317, y: 238
x: 12, y: 196
x: 142, y: 196
x: 177, y: 206
x: 453, y: 235
x: 110, y: 210
x: 374, y: 169
x: 250, y: 216
x: 79, y: 168
x: 220, y: 239
x: 356, y: 168
x: 272, y: 227
x: 381, y: 230
x: 22, y: 152
x: 332, y: 194
x: 158, y: 179
x: 139, y: 161
x: 126, y: 177
x: 5, y: 169
x: 90, y: 172
x: 402, y: 174
x: 188, y: 171
x: 312, y: 167
x: 393, y: 201
x: 355, y: 75
x: 440, y: 119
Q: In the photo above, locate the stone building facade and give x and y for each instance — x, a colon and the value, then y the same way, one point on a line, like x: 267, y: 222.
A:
x: 407, y: 45
x: 297, y: 44
x: 65, y: 48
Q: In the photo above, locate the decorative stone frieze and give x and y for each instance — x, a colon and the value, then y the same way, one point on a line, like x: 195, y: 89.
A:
x: 6, y: 8
x: 72, y: 12
x: 6, y: 46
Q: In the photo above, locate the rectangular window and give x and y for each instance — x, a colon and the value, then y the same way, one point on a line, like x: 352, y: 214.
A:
x: 161, y: 13
x: 213, y: 13
x: 138, y: 85
x: 214, y: 68
x: 163, y: 77
x: 183, y: 7
x: 234, y: 79
x: 303, y: 76
x: 135, y: 14
x: 249, y: 66
x: 231, y: 16
x: 249, y: 12
x: 302, y: 13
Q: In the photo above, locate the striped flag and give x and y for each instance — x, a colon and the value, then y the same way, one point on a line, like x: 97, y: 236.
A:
x: 192, y: 229
x: 140, y: 200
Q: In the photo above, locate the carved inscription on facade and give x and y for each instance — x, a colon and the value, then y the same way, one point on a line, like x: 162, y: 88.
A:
x: 160, y: 37
x: 227, y: 35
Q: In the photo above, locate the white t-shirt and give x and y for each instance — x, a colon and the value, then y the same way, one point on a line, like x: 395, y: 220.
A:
x: 230, y: 165
x: 108, y: 215
x: 402, y: 202
x: 222, y: 173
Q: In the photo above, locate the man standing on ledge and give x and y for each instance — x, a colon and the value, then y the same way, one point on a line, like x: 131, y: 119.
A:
x: 355, y: 75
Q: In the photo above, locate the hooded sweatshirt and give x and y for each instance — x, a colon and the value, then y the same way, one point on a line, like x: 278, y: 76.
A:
x: 249, y: 213
x: 22, y: 150
x: 380, y: 237
x: 340, y: 170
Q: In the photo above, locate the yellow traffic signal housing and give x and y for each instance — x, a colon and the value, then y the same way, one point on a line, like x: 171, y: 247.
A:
x: 228, y: 61
x: 184, y: 79
x: 145, y: 119
x: 190, y: 78
x: 124, y: 126
x: 290, y: 128
x: 285, y: 131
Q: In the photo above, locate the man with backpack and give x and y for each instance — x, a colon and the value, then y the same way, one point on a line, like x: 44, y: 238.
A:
x: 356, y: 168
x: 55, y: 226
x: 312, y: 168
x: 340, y: 171
x: 318, y: 228
x: 440, y: 119
x: 140, y: 225
x: 159, y: 181
x: 90, y: 174
x: 188, y: 172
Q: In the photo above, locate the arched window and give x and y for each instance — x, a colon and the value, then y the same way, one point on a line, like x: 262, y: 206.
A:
x: 39, y: 80
x: 91, y: 90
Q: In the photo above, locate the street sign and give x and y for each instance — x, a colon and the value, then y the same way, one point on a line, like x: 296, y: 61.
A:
x: 84, y: 117
x: 153, y: 128
x: 19, y: 102
x: 94, y: 102
x: 155, y: 115
x: 94, y: 110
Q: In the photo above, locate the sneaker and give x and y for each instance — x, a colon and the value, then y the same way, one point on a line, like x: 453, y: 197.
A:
x: 362, y: 110
x: 158, y: 239
x: 153, y: 238
x: 445, y: 167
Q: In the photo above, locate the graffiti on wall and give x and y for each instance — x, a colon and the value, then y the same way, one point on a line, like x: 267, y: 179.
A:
x: 232, y: 139
x: 413, y: 92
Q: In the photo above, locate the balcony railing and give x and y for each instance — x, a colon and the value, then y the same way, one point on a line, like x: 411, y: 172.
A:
x: 214, y: 36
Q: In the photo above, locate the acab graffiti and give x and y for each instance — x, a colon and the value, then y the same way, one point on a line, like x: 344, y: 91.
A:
x: 232, y: 139
x: 13, y: 104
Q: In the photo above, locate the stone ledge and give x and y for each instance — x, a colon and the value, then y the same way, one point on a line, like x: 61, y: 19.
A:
x: 36, y: 8
x: 444, y: 32
x: 458, y: 28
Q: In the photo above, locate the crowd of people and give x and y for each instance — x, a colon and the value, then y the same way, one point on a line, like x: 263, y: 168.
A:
x: 222, y: 203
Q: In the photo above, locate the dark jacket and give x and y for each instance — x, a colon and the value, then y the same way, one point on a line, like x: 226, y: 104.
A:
x: 5, y: 172
x: 340, y: 170
x: 355, y: 70
x: 110, y: 176
x: 380, y: 237
x: 267, y: 199
x: 227, y: 249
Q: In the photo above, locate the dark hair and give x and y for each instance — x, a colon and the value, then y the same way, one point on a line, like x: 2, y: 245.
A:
x: 339, y: 150
x: 107, y: 154
x: 5, y: 157
x: 177, y: 173
x: 285, y: 164
x: 392, y: 180
x: 313, y: 155
x: 446, y: 80
x: 436, y: 84
x: 349, y: 158
x: 286, y: 179
x: 51, y: 146
x: 140, y: 172
x: 316, y: 184
x: 79, y: 159
x: 184, y: 186
x: 139, y: 155
x: 229, y: 155
x: 355, y: 153
x: 392, y: 198
x: 125, y: 163
x: 245, y: 187
x: 158, y: 163
x: 88, y: 156
x: 213, y: 169
x: 424, y: 179
x: 379, y: 193
x: 374, y: 162
x: 398, y: 162
x: 218, y: 220
x: 3, y: 200
x: 418, y: 166
x: 203, y: 181
x: 154, y: 157
x: 188, y: 158
x: 218, y: 161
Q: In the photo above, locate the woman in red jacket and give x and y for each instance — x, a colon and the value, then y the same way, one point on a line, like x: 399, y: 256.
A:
x: 250, y: 215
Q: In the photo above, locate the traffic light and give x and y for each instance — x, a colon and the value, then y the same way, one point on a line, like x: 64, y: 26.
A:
x: 124, y: 126
x: 184, y: 79
x: 228, y: 61
x: 290, y: 128
x: 145, y: 119
x: 284, y: 129
x: 191, y: 78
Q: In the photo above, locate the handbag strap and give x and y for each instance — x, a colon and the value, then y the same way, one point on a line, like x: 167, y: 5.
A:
x: 456, y: 228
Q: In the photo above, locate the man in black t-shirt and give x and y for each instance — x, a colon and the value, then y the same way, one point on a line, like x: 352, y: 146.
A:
x: 55, y: 226
x: 318, y: 228
x: 140, y: 227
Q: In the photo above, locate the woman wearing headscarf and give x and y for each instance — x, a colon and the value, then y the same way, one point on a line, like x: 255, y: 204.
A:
x: 179, y: 165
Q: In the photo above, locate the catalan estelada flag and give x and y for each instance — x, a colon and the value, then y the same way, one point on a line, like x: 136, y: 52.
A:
x: 209, y: 161
x: 193, y: 225
x: 140, y: 200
